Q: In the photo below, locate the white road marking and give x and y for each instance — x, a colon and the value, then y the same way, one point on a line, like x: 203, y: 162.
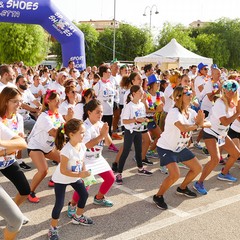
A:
x: 151, y: 227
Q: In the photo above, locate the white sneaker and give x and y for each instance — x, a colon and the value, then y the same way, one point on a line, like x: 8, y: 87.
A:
x: 163, y: 170
x: 25, y: 220
x: 197, y: 145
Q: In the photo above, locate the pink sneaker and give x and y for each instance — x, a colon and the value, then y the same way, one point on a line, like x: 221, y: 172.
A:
x: 113, y: 148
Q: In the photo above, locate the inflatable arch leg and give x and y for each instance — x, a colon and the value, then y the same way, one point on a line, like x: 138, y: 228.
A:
x: 46, y: 14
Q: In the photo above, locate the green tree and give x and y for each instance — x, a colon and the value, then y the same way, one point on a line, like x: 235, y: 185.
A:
x: 179, y: 32
x: 213, y: 46
x: 228, y: 31
x: 22, y: 42
x: 130, y: 43
x: 91, y: 39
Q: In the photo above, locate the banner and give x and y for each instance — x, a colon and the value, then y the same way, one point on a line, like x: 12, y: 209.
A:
x: 46, y: 14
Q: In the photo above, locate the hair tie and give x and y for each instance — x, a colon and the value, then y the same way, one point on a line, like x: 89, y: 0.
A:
x: 62, y: 128
x: 48, y: 94
x: 84, y: 91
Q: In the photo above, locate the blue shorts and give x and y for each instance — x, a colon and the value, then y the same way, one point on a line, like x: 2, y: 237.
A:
x: 151, y: 125
x: 168, y: 156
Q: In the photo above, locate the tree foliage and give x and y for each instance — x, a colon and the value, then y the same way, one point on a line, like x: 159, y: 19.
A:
x: 130, y: 42
x: 179, y: 32
x: 228, y: 32
x: 212, y: 45
x: 91, y: 39
x: 21, y: 42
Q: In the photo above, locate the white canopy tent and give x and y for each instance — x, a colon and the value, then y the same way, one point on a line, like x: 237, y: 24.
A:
x: 173, y: 55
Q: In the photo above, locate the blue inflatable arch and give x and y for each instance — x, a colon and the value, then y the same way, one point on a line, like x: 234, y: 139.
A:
x: 46, y: 14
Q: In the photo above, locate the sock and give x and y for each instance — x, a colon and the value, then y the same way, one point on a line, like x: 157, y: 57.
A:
x: 19, y: 160
x: 99, y: 198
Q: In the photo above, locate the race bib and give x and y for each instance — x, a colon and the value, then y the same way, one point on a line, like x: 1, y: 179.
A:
x: 221, y: 140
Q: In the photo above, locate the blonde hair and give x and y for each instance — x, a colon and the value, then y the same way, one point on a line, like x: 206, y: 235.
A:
x: 178, y: 97
x: 234, y: 100
x: 174, y: 78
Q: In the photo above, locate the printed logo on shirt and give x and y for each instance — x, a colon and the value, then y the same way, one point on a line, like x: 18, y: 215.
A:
x: 139, y: 112
x: 77, y: 167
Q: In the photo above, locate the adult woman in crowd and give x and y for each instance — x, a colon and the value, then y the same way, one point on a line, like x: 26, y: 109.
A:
x: 67, y: 106
x: 41, y: 140
x: 169, y: 102
x: 11, y: 100
x: 172, y: 145
x: 87, y: 95
x: 9, y: 144
x: 225, y: 110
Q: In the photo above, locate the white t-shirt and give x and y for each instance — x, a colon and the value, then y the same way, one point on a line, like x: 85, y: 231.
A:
x: 93, y: 157
x: 35, y: 90
x: 6, y: 134
x: 192, y: 75
x: 64, y: 106
x: 206, y: 103
x: 218, y: 111
x: 169, y: 102
x: 122, y: 92
x: 78, y: 111
x: 75, y: 163
x: 15, y: 123
x: 39, y: 137
x: 115, y: 80
x: 172, y: 138
x: 105, y: 93
x: 27, y: 98
x: 49, y: 81
x: 125, y: 97
x: 59, y: 89
x: 9, y: 84
x: 132, y: 110
x: 235, y: 126
x: 200, y: 80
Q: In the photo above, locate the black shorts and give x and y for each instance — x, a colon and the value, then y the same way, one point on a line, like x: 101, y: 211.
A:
x: 233, y: 134
x: 208, y: 136
x: 206, y: 113
x: 36, y: 150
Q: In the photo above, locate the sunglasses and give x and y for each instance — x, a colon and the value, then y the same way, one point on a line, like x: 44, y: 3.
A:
x: 188, y: 93
x: 205, y: 68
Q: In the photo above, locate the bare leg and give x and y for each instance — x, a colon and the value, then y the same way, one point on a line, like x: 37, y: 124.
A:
x: 172, y: 177
x: 194, y: 169
x: 213, y: 150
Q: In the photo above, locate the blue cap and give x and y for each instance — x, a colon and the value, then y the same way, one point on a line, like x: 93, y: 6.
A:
x: 214, y: 66
x: 152, y: 79
x: 201, y: 66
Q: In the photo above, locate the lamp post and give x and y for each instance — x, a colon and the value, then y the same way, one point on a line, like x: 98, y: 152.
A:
x: 114, y: 30
x: 150, y: 13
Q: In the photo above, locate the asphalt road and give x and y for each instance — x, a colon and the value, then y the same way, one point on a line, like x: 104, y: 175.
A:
x: 134, y: 216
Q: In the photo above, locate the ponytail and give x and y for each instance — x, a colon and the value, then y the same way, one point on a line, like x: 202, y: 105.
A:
x: 63, y: 132
x: 133, y: 89
x: 60, y: 139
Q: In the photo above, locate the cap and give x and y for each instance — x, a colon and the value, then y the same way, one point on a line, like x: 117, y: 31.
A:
x: 230, y: 85
x: 201, y: 66
x: 152, y: 79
